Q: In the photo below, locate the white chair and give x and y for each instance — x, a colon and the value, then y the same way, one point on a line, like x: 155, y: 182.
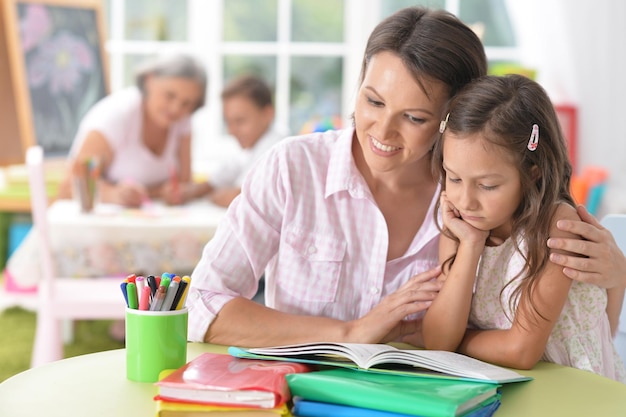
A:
x: 616, y: 223
x: 62, y: 299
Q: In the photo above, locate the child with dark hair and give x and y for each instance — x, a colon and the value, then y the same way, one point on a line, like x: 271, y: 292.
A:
x: 505, y: 180
x: 248, y: 109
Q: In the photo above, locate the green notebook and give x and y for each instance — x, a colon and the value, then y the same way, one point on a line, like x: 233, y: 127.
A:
x: 394, y: 393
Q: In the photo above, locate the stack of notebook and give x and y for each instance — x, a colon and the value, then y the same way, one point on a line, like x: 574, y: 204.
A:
x: 377, y: 380
x: 216, y: 385
x: 346, y: 392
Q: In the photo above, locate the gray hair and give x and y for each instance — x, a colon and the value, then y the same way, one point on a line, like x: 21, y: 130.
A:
x: 178, y: 66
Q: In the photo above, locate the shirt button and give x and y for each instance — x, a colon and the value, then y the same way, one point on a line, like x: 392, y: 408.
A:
x: 312, y: 250
x: 374, y: 290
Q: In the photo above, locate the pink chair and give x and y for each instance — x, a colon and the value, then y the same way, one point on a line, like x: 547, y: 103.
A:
x: 60, y: 298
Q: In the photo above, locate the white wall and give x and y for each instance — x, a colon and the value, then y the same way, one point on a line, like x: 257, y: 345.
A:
x: 579, y: 49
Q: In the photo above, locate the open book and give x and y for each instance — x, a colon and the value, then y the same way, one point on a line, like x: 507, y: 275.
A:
x: 386, y: 359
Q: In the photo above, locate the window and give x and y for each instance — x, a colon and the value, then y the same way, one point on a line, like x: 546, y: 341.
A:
x: 309, y: 50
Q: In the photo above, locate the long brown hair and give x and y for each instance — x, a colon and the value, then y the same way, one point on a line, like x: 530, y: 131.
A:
x: 503, y: 110
x: 431, y: 43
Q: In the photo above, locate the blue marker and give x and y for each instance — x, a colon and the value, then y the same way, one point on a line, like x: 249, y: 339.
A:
x: 123, y: 287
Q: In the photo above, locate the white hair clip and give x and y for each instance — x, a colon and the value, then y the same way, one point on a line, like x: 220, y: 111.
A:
x: 442, y: 125
x: 534, y: 138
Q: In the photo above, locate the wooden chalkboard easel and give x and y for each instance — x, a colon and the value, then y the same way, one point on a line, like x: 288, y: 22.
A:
x: 52, y: 70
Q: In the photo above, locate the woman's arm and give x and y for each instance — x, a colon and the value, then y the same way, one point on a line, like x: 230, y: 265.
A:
x: 597, y: 259
x: 602, y: 262
x: 176, y: 189
x: 184, y: 159
x: 243, y: 322
x: 523, y: 345
x: 96, y: 146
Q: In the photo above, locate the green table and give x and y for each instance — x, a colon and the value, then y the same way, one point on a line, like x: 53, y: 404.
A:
x: 95, y: 385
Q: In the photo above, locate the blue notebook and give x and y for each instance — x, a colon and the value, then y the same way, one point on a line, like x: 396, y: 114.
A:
x: 306, y: 408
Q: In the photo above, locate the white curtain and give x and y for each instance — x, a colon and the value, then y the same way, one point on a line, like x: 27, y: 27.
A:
x: 579, y: 50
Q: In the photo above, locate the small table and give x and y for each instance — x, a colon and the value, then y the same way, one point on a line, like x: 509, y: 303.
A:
x: 95, y: 385
x: 116, y: 241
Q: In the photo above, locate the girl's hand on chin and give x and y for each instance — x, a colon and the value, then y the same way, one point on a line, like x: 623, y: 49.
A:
x: 453, y: 221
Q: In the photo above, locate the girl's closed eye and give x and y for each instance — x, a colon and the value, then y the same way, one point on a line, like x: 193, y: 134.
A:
x: 488, y: 187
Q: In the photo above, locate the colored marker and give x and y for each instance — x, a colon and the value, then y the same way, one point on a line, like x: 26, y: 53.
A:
x: 157, y: 302
x: 183, y: 298
x: 131, y: 291
x: 152, y: 283
x: 165, y: 282
x: 144, y: 300
x: 140, y: 282
x: 181, y: 289
x: 123, y: 288
x: 169, y: 297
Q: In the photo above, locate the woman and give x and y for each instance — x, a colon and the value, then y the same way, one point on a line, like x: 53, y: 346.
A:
x: 342, y: 222
x: 141, y: 136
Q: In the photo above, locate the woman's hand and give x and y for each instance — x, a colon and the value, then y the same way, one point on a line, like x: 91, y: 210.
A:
x: 387, y: 321
x: 125, y: 193
x: 453, y: 222
x: 224, y: 196
x: 600, y: 260
x: 175, y: 194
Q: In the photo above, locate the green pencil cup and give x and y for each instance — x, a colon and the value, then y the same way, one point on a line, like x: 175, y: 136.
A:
x: 155, y: 341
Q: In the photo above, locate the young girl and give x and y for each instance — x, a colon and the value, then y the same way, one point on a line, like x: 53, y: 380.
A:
x: 505, y: 183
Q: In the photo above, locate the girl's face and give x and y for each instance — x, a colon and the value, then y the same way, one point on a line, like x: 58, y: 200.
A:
x: 169, y: 99
x: 482, y: 183
x: 395, y: 120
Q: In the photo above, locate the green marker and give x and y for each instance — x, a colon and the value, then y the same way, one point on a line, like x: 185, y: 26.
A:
x: 131, y: 292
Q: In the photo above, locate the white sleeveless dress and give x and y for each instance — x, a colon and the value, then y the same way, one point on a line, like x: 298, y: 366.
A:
x: 581, y: 338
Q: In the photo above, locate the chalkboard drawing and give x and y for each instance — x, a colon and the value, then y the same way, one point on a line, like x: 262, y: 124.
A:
x: 64, y: 69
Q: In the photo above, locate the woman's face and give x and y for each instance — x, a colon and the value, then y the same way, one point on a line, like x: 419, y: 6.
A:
x: 396, y: 121
x: 169, y: 99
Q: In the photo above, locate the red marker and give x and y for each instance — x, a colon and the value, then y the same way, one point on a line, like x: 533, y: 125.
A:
x: 144, y: 301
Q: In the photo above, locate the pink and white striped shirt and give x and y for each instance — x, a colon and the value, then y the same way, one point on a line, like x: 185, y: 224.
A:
x: 306, y: 218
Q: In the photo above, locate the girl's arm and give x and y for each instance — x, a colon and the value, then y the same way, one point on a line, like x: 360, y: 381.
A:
x: 523, y: 345
x: 446, y: 319
x: 615, y: 299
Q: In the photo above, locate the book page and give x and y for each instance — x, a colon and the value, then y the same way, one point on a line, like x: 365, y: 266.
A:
x: 450, y: 363
x: 359, y: 353
x: 385, y: 358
